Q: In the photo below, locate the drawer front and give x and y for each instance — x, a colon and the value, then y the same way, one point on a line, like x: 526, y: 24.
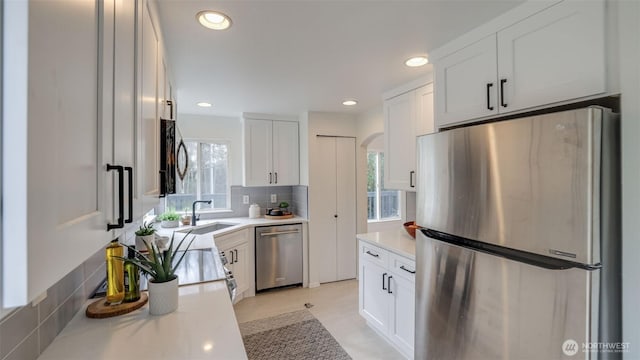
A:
x: 374, y: 254
x: 402, y: 266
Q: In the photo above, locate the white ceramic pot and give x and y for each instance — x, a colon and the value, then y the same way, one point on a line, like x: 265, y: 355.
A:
x: 163, y: 297
x: 141, y: 239
x: 170, y: 223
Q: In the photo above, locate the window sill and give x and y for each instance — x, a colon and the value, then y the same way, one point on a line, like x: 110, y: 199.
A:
x: 384, y: 220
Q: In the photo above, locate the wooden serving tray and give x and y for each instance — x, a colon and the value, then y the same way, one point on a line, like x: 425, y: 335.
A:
x: 280, y: 217
x: 100, y: 309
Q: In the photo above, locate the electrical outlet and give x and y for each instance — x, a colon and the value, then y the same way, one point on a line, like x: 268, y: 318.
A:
x: 274, y: 198
x: 245, y: 199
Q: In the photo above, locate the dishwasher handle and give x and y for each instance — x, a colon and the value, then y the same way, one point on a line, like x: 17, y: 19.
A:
x: 280, y: 233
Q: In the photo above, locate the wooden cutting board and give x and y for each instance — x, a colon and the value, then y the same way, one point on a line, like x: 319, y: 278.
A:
x: 100, y: 309
x: 280, y: 217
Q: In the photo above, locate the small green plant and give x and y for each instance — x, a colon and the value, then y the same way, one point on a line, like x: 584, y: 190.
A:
x: 283, y: 205
x: 160, y: 266
x: 169, y: 215
x: 145, y: 229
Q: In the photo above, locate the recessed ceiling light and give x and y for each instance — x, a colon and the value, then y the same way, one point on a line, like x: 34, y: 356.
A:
x: 213, y: 20
x: 349, y: 102
x: 204, y: 104
x: 416, y: 61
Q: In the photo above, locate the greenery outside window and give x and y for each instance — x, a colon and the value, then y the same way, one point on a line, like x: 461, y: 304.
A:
x: 382, y: 204
x: 207, y: 178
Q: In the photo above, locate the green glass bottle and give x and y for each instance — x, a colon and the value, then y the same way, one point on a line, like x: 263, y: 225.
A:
x: 131, y: 280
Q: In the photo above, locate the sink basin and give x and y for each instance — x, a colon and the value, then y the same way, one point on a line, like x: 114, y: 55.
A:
x: 205, y: 229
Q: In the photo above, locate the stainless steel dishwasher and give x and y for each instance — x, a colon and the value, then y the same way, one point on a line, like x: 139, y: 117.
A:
x: 278, y: 256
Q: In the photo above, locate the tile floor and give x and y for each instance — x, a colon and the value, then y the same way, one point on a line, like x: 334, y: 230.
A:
x: 335, y: 305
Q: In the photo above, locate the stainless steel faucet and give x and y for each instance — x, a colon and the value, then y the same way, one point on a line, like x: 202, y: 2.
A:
x: 193, y: 210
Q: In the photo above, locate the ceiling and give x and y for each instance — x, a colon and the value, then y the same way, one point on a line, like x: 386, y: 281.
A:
x: 288, y: 57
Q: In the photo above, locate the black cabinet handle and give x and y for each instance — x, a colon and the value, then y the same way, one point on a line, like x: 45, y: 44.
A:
x: 411, y: 174
x: 276, y: 175
x: 383, y: 280
x: 502, y: 81
x: 233, y: 261
x: 389, y: 284
x: 489, y: 85
x: 372, y: 254
x: 270, y: 182
x: 129, y: 170
x: 120, y: 223
x: 407, y: 270
x: 163, y: 183
x: 236, y: 251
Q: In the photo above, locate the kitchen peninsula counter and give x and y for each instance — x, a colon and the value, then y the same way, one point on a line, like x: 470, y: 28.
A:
x: 397, y: 241
x: 203, y: 327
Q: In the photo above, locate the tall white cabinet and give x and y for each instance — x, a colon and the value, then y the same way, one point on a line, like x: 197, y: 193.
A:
x: 76, y: 110
x: 406, y: 116
x: 554, y: 55
x: 334, y: 216
x: 271, y: 151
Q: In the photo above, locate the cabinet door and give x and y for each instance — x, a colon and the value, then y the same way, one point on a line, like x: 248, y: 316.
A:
x: 346, y: 244
x: 399, y: 141
x: 286, y: 153
x: 149, y: 137
x: 402, y: 310
x: 555, y: 55
x: 241, y: 266
x: 373, y: 299
x: 124, y: 109
x: 258, y: 152
x: 55, y: 213
x: 236, y: 248
x: 466, y: 83
x: 424, y: 117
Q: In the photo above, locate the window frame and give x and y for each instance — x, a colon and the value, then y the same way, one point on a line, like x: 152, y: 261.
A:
x: 378, y: 186
x: 198, y: 194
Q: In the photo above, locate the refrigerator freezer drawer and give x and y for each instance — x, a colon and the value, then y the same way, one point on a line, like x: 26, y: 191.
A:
x: 473, y: 305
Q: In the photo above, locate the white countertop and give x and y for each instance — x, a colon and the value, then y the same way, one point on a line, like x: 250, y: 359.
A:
x: 397, y: 241
x: 203, y: 327
x: 206, y: 240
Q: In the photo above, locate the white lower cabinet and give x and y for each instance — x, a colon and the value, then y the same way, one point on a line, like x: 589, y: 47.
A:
x: 387, y: 295
x: 236, y: 247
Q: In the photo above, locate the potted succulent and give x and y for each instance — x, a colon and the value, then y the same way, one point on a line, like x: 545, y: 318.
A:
x: 145, y: 234
x: 160, y: 267
x: 284, y: 207
x: 169, y: 219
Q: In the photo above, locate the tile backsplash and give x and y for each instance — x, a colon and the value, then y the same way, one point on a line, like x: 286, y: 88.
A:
x: 27, y: 331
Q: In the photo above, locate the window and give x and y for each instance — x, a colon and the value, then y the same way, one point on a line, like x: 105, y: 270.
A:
x: 207, y: 178
x: 382, y: 204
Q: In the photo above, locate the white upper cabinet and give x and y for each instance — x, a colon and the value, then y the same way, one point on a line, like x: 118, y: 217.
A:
x: 466, y: 85
x: 556, y: 54
x: 405, y: 116
x: 271, y: 152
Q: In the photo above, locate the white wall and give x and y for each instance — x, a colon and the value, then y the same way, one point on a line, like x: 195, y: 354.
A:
x: 228, y: 129
x: 321, y: 123
x: 629, y: 30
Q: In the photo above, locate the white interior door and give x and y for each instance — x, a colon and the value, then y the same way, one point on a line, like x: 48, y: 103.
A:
x: 324, y: 216
x: 346, y: 243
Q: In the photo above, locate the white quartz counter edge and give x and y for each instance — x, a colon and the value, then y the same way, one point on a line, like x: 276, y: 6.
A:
x: 203, y: 327
x: 203, y: 241
x: 396, y: 241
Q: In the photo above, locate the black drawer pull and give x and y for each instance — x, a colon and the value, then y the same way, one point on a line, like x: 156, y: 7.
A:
x: 407, y: 270
x: 502, y: 92
x: 372, y: 254
x: 389, y: 284
x: 383, y: 280
x: 489, y: 85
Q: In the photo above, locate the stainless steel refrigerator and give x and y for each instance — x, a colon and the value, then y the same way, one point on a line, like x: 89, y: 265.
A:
x: 519, y: 252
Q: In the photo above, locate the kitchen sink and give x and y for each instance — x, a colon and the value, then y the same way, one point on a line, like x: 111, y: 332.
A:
x: 205, y: 229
